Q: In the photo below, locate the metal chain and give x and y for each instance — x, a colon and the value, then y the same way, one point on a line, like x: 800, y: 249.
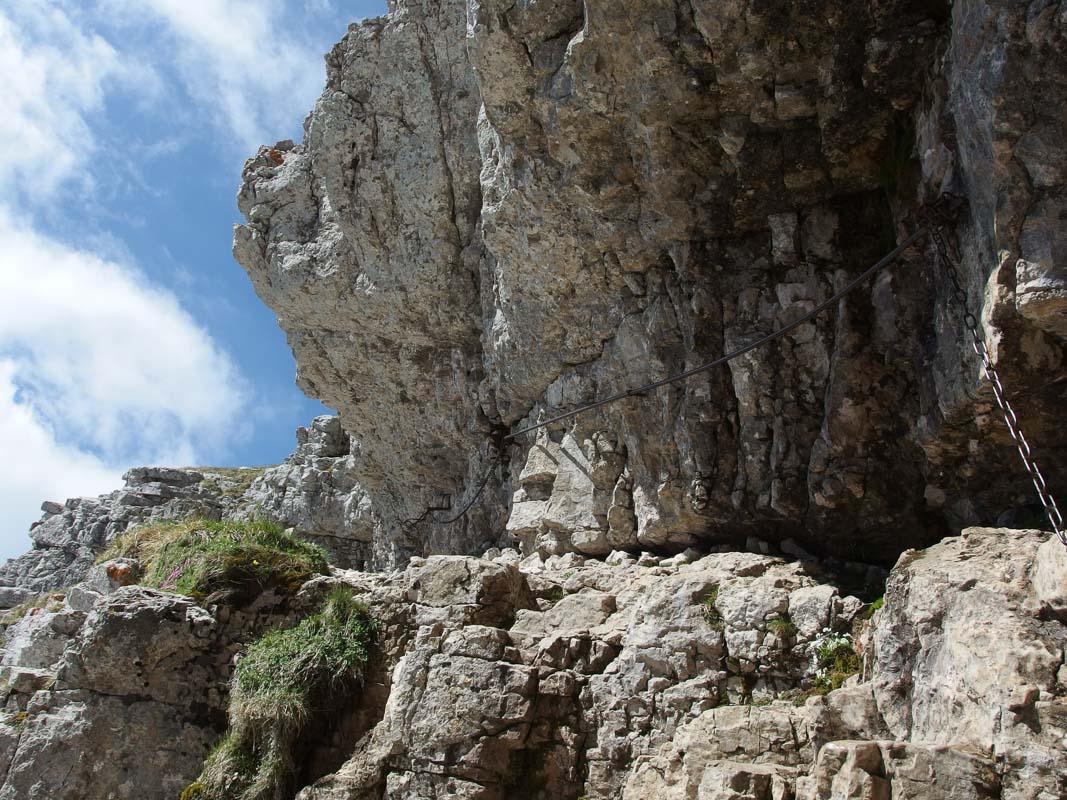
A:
x: 990, y: 372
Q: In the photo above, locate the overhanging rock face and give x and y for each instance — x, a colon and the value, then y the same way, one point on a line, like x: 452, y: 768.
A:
x: 503, y: 210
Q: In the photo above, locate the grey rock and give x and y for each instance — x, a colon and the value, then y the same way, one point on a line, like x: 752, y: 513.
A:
x: 79, y: 745
x: 315, y: 492
x: 872, y: 770
x: 121, y: 702
x: 966, y: 617
x: 68, y: 539
x: 975, y: 627
x: 501, y: 211
x: 583, y: 677
x: 605, y: 671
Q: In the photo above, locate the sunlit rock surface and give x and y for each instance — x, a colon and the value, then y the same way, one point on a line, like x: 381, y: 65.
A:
x: 501, y: 211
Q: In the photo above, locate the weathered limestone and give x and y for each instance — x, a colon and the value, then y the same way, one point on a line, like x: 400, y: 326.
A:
x: 69, y: 537
x: 973, y: 617
x: 559, y: 673
x: 642, y: 678
x: 116, y: 692
x: 979, y: 134
x: 503, y: 210
x: 314, y: 491
x: 966, y: 697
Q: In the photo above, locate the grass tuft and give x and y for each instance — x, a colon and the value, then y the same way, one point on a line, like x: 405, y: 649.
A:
x: 232, y: 482
x: 869, y: 612
x: 51, y: 601
x: 710, y: 612
x: 283, y: 680
x: 231, y: 560
x: 783, y: 627
x: 555, y: 594
x: 18, y: 719
x: 834, y: 660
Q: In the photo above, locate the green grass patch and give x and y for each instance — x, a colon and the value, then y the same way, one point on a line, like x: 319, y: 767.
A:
x: 834, y: 659
x: 51, y: 601
x: 783, y: 627
x: 231, y: 482
x: 555, y: 594
x: 211, y: 560
x: 285, y: 679
x: 18, y: 719
x: 710, y: 612
x: 868, y: 612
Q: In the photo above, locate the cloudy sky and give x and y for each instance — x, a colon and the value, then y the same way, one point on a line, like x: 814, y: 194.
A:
x: 127, y: 334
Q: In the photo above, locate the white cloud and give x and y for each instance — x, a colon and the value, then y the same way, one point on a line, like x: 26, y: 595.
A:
x: 245, y: 62
x: 98, y: 371
x: 38, y: 467
x: 247, y: 66
x: 55, y: 75
x: 113, y: 362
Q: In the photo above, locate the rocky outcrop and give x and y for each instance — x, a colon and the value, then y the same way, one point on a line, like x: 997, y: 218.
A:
x: 980, y: 617
x: 979, y: 134
x: 315, y: 492
x: 652, y: 678
x: 498, y: 691
x: 70, y: 536
x: 565, y: 677
x: 501, y: 211
x: 614, y: 680
x: 965, y: 698
x: 116, y: 691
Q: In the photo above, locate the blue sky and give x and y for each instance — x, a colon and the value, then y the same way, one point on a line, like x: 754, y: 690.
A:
x: 127, y: 333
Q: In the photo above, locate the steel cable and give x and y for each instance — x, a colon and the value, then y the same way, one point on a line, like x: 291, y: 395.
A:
x: 1048, y: 502
x: 770, y: 337
x: 681, y: 376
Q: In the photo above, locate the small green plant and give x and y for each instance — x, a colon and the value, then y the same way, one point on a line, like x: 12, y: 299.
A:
x: 555, y: 594
x: 230, y: 560
x: 48, y: 600
x: 782, y: 627
x: 285, y: 679
x: 18, y: 719
x: 833, y: 660
x: 868, y: 613
x: 230, y: 482
x: 710, y: 612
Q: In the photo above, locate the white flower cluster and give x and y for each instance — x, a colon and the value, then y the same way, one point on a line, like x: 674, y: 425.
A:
x: 825, y: 647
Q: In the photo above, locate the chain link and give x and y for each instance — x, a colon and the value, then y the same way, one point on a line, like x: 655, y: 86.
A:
x: 989, y: 370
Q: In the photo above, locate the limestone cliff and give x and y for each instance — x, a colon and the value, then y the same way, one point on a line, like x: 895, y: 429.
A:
x: 502, y: 210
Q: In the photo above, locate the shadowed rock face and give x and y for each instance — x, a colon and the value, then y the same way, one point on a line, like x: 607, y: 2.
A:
x: 502, y: 210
